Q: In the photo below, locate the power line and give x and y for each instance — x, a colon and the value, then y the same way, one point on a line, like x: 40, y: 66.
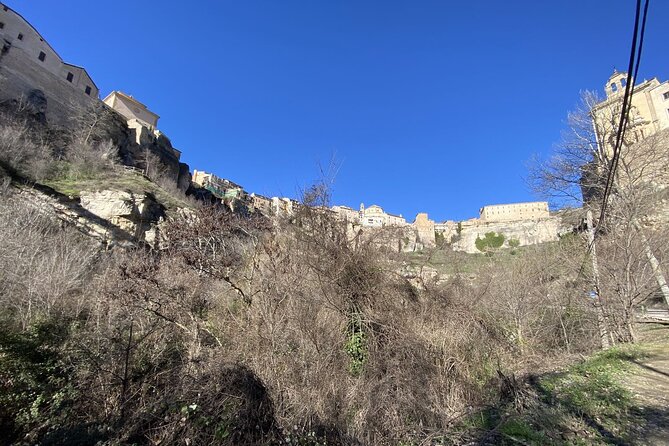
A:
x: 633, y: 70
x: 634, y: 62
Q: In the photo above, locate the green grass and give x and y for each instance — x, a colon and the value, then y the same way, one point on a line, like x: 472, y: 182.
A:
x: 584, y: 404
x: 453, y: 262
x: 130, y: 181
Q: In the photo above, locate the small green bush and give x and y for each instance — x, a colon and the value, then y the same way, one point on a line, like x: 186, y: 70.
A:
x: 490, y: 242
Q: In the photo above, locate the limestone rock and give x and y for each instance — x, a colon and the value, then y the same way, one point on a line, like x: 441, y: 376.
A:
x: 528, y: 232
x: 135, y: 214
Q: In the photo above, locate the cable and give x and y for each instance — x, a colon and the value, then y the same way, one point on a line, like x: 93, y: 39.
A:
x: 632, y: 72
x: 624, y: 118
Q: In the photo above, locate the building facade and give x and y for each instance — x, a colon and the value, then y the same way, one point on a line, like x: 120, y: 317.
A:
x: 260, y: 203
x: 375, y: 217
x: 16, y: 33
x: 220, y: 187
x: 347, y: 214
x: 649, y: 112
x: 132, y: 109
x: 514, y: 212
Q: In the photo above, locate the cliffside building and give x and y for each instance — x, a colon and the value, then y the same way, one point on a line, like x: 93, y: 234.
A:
x: 17, y: 33
x: 649, y: 112
x: 347, y: 214
x: 375, y: 217
x: 514, y: 212
x: 32, y: 71
x: 220, y: 187
x: 131, y: 109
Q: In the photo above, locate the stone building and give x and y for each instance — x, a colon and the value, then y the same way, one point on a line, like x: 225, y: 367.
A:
x: 131, y: 109
x: 31, y: 71
x: 514, y: 212
x: 649, y: 112
x: 425, y: 229
x: 347, y: 214
x: 284, y: 207
x: 220, y: 187
x: 18, y: 34
x: 375, y: 217
x: 260, y: 203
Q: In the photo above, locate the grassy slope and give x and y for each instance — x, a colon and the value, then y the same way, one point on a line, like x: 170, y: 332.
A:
x: 116, y: 179
x: 448, y: 262
x: 588, y: 403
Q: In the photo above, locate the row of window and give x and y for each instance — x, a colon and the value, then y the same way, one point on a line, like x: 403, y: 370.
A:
x: 42, y: 58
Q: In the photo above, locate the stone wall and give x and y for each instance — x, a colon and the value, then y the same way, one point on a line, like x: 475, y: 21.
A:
x: 20, y: 77
x: 530, y: 232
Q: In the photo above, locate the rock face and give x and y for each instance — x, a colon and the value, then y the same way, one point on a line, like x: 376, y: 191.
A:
x: 137, y: 215
x: 70, y: 212
x: 531, y: 232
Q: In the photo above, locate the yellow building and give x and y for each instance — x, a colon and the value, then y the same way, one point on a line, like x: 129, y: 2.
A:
x: 131, y: 109
x: 649, y: 112
x: 261, y: 204
x: 220, y: 187
x: 347, y: 214
x: 514, y: 212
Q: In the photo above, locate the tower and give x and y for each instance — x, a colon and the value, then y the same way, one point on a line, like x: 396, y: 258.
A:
x: 616, y: 84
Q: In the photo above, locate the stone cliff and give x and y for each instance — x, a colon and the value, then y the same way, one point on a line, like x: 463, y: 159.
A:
x: 530, y: 232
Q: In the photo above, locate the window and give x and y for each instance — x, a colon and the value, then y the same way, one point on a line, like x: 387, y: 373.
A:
x: 70, y: 76
x: 623, y: 82
x: 88, y: 90
x: 665, y: 95
x: 20, y: 36
x: 42, y: 56
x: 614, y: 87
x: 2, y: 25
x: 5, y: 8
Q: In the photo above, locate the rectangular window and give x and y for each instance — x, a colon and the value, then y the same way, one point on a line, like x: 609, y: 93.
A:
x: 70, y: 76
x: 42, y: 56
x: 2, y: 25
x: 20, y: 36
x: 88, y: 90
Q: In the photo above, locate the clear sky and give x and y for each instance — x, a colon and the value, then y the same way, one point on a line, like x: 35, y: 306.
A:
x: 428, y: 106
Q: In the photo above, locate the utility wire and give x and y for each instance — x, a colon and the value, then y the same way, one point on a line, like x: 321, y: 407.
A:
x: 633, y: 70
x: 634, y: 62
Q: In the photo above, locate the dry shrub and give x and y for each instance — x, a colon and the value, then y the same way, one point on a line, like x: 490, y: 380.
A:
x: 24, y: 146
x: 241, y: 332
x: 43, y: 267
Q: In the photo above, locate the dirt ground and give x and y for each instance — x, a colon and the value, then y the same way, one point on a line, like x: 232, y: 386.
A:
x: 649, y: 383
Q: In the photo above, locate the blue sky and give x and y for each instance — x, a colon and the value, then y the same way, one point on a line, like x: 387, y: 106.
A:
x: 427, y: 106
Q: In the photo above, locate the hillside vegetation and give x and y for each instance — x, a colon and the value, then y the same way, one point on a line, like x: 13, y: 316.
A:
x: 240, y: 330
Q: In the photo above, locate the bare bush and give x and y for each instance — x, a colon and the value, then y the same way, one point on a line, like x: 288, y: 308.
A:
x: 43, y: 268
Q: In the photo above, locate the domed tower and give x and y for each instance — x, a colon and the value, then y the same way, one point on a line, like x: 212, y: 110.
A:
x: 616, y: 84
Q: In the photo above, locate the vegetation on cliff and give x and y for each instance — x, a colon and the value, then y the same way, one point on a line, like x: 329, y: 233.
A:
x: 241, y: 330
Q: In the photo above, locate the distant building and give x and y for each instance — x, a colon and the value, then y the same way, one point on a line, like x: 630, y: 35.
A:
x: 284, y: 207
x: 649, y: 112
x: 262, y: 204
x: 220, y: 187
x: 131, y: 109
x: 375, y: 217
x: 347, y: 214
x: 514, y: 212
x: 425, y: 229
